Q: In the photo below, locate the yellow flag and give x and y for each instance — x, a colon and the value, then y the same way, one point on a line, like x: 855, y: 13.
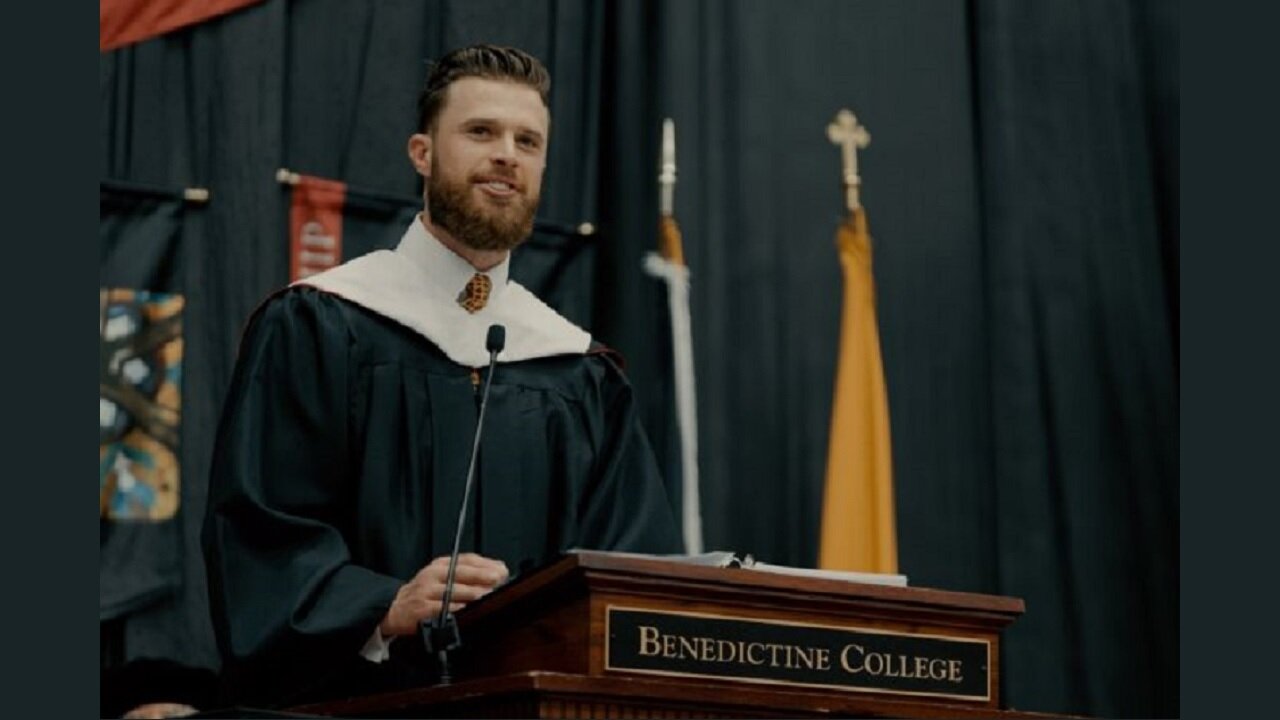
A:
x: 669, y: 242
x: 858, y: 530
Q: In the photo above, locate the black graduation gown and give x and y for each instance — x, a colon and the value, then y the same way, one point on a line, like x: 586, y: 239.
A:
x: 338, y: 472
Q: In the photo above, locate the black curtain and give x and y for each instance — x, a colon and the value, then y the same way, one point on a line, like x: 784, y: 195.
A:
x: 145, y: 565
x: 1079, y: 118
x: 1021, y: 188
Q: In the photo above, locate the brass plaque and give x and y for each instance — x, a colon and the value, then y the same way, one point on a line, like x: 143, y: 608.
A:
x: 664, y: 642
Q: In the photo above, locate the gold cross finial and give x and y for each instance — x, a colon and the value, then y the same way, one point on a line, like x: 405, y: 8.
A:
x: 851, y: 137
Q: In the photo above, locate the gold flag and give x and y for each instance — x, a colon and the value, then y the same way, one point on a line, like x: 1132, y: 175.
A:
x: 670, y: 245
x: 858, y: 530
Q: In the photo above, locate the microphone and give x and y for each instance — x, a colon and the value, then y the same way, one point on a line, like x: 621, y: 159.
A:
x: 441, y: 636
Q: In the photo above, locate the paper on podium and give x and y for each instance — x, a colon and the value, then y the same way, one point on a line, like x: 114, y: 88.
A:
x: 726, y: 559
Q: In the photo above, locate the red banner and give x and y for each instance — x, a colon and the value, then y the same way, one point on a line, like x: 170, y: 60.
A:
x: 121, y: 22
x: 315, y: 226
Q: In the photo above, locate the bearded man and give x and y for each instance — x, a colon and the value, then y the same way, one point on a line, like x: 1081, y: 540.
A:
x: 342, y: 452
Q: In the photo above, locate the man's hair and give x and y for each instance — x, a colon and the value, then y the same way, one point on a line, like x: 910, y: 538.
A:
x: 485, y: 61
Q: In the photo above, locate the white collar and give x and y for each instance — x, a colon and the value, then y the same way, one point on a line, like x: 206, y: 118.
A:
x: 447, y: 273
x: 417, y: 286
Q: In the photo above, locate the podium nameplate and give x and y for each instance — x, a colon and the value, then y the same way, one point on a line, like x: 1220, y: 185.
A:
x: 685, y: 644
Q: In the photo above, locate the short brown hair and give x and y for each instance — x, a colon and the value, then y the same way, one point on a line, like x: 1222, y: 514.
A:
x: 487, y: 61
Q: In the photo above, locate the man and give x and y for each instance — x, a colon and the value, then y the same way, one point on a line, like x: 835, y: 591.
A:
x: 343, y: 447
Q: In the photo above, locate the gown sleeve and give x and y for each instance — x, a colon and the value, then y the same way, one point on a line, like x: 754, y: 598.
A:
x: 624, y: 505
x: 290, y: 609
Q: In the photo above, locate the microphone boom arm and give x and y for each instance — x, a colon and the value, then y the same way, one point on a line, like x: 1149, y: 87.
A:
x: 441, y: 636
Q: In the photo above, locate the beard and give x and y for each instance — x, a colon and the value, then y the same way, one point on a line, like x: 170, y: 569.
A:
x: 498, y: 227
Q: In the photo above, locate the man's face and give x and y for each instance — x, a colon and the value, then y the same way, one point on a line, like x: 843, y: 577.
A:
x: 487, y: 154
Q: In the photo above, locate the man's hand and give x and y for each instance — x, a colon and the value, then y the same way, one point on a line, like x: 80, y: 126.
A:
x: 420, y: 598
x: 159, y: 710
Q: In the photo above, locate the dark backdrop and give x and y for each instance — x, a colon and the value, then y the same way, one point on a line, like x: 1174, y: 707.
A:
x: 1021, y: 186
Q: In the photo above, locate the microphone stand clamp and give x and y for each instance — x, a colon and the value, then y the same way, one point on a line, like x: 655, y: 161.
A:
x: 441, y: 637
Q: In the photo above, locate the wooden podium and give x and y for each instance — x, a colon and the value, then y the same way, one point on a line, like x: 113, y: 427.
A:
x: 599, y: 635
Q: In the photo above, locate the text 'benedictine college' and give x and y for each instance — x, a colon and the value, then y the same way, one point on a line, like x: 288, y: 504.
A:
x: 763, y: 650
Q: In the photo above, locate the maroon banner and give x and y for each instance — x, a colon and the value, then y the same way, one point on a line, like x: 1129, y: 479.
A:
x: 315, y: 226
x: 121, y: 22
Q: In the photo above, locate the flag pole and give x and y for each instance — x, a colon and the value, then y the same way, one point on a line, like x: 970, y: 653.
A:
x: 669, y: 265
x: 580, y: 232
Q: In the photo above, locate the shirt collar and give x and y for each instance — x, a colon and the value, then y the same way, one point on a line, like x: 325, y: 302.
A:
x: 447, y: 272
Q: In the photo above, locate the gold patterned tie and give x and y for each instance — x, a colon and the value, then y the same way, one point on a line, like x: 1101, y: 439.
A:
x: 474, y: 296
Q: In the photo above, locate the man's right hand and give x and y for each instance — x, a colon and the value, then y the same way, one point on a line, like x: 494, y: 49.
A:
x: 420, y: 598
